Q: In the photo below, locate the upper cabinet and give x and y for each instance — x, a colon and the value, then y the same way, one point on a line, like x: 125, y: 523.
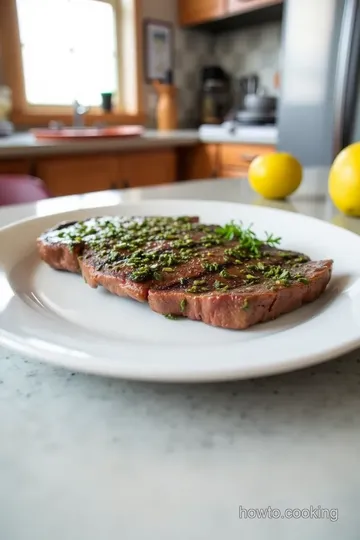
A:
x: 194, y: 12
x: 199, y: 11
x: 242, y: 6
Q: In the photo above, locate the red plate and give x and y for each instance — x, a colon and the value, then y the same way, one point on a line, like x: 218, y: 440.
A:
x: 87, y: 133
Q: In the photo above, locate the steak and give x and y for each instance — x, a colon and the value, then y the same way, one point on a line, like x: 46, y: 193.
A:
x: 238, y: 303
x: 224, y: 276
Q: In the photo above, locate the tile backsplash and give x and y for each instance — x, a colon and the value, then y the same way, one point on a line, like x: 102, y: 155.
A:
x: 251, y: 50
x: 192, y: 51
x: 241, y: 52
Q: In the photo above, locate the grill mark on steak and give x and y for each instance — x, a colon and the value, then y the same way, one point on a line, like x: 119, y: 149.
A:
x: 219, y: 281
x: 60, y: 246
x: 245, y: 305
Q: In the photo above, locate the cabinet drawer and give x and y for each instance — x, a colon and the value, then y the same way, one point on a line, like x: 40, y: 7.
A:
x: 233, y: 172
x: 241, y: 155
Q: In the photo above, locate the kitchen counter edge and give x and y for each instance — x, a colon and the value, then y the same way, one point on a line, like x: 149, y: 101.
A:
x: 22, y: 145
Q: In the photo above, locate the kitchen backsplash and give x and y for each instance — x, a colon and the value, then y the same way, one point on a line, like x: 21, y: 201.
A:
x: 192, y: 51
x: 241, y: 52
x: 251, y: 50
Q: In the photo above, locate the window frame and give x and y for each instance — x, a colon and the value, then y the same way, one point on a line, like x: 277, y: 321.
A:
x: 25, y: 114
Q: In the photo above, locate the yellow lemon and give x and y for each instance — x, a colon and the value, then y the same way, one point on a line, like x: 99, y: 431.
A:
x: 275, y: 176
x: 344, y: 180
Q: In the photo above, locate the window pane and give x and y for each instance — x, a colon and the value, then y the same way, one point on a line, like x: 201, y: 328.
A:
x: 69, y: 50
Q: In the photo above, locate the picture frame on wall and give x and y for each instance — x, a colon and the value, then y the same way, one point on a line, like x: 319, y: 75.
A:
x: 159, y: 50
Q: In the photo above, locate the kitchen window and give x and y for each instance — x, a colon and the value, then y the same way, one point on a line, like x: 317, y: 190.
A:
x: 58, y: 51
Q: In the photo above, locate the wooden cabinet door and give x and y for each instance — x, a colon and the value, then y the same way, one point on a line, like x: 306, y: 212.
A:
x: 149, y: 168
x: 235, y: 159
x: 197, y: 11
x: 81, y: 174
x: 20, y: 166
x: 199, y: 162
x: 239, y: 6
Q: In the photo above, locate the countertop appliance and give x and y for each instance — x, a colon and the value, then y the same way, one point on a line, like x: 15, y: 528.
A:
x: 319, y: 106
x: 215, y: 95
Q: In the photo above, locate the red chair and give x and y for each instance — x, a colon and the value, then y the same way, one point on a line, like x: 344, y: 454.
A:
x: 17, y: 189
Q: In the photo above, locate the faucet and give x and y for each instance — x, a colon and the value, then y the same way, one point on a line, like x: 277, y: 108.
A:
x: 78, y: 114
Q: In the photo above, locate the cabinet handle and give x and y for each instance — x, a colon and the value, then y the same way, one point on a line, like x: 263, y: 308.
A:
x: 248, y: 157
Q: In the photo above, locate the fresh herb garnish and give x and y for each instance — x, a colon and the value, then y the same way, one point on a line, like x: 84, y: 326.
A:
x: 210, y: 267
x: 171, y: 316
x: 246, y: 237
x: 220, y: 286
x: 183, y: 305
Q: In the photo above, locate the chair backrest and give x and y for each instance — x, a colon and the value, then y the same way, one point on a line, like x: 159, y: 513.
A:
x: 17, y: 189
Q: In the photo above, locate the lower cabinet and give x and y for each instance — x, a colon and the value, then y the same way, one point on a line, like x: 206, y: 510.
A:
x: 222, y: 160
x: 71, y: 175
x: 81, y: 174
x: 148, y: 168
x: 16, y: 166
x: 198, y: 162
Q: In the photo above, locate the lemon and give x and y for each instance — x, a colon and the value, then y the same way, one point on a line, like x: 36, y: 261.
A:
x: 344, y: 180
x: 275, y: 176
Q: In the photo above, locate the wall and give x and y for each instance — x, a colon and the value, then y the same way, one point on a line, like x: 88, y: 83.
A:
x: 241, y: 52
x: 251, y: 50
x: 192, y: 50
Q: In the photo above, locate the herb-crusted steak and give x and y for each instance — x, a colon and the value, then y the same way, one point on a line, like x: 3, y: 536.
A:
x: 224, y: 276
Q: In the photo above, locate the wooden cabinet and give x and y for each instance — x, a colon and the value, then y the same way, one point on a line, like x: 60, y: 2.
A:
x: 235, y: 159
x: 198, y: 11
x: 242, y: 6
x: 16, y: 167
x: 220, y: 160
x: 193, y: 12
x: 148, y: 168
x: 80, y: 174
x: 199, y: 162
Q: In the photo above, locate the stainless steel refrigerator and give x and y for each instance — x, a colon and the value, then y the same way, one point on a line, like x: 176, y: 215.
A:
x: 319, y: 110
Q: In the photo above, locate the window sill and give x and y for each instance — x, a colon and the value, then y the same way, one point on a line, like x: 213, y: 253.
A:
x: 34, y: 119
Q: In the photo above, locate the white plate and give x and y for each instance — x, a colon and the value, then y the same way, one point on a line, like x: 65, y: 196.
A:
x: 54, y: 316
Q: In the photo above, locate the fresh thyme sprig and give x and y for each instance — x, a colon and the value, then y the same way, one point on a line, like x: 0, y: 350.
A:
x: 246, y: 236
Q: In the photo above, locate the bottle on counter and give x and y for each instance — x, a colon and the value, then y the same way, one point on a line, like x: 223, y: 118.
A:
x: 166, y: 111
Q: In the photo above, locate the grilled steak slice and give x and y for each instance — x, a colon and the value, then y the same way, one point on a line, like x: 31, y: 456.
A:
x: 61, y: 246
x: 224, y: 276
x: 239, y: 302
x: 55, y: 252
x: 117, y: 278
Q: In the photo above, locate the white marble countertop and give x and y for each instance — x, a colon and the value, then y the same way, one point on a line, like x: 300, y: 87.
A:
x: 25, y: 144
x: 87, y: 458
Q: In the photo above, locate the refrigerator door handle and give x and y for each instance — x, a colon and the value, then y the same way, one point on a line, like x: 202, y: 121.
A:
x: 345, y: 77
